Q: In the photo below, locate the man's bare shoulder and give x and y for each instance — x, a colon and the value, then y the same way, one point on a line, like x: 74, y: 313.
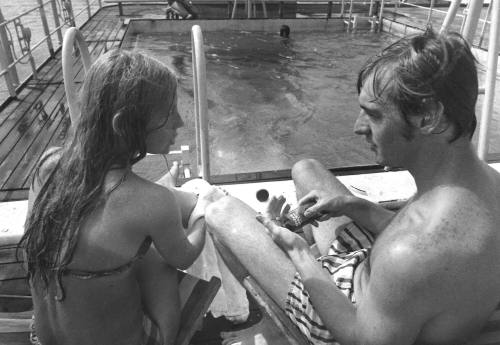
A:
x: 452, y: 214
x: 442, y: 252
x: 440, y: 234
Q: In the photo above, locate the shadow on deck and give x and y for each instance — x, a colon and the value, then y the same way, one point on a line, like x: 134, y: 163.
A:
x: 38, y: 117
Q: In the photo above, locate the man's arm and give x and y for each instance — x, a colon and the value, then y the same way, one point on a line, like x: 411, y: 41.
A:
x: 393, y: 300
x: 391, y: 309
x: 369, y: 215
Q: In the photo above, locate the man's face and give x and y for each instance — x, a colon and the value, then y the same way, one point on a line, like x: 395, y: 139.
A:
x: 382, y: 124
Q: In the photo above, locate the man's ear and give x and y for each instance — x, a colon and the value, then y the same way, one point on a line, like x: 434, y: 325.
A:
x: 434, y: 121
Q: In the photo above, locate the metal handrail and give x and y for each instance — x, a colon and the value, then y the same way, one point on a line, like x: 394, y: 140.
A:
x: 86, y: 8
x: 200, y: 102
x: 426, y: 8
x: 491, y: 73
x: 23, y: 14
x: 450, y: 15
x: 9, y: 60
x: 485, y: 22
x: 71, y: 36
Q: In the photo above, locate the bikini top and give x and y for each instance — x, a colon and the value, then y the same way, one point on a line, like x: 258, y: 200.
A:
x: 82, y: 274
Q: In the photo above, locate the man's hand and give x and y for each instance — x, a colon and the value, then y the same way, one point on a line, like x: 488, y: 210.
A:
x: 323, y: 203
x: 284, y: 238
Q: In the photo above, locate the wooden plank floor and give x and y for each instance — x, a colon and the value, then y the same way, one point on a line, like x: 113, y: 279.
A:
x: 38, y: 118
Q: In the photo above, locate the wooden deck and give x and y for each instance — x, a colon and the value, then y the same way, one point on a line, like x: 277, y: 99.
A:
x: 38, y: 118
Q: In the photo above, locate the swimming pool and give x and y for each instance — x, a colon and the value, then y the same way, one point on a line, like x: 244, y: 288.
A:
x: 272, y: 101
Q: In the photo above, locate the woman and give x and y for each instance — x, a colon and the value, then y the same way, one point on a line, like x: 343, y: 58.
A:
x: 94, y: 277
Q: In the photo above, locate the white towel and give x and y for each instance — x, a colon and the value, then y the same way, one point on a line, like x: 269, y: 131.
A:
x: 231, y: 300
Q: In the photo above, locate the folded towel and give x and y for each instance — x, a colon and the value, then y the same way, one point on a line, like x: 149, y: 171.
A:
x: 231, y: 300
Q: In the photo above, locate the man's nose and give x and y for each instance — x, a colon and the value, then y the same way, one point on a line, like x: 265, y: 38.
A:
x: 361, y: 125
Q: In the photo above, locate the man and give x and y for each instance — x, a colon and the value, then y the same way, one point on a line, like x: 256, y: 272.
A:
x: 428, y: 274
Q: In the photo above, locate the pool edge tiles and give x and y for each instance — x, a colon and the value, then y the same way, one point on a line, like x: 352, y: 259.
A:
x: 139, y: 26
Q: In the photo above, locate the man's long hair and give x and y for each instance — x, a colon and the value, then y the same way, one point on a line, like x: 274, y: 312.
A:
x: 126, y: 83
x: 428, y: 67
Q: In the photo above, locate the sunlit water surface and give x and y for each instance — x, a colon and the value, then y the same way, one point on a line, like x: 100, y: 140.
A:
x: 273, y: 101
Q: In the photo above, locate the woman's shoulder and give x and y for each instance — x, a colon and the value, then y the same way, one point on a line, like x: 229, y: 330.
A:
x: 48, y: 162
x: 155, y: 196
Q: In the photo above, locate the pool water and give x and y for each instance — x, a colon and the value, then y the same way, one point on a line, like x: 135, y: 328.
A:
x: 273, y: 101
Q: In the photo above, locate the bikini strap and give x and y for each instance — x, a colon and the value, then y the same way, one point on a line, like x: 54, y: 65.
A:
x: 82, y: 274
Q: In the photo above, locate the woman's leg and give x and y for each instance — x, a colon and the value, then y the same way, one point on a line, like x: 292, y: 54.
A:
x: 309, y: 174
x: 160, y: 294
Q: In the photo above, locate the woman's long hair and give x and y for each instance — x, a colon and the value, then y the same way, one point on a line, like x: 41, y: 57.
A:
x: 126, y: 83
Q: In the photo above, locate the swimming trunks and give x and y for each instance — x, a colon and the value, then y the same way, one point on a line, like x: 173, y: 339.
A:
x: 347, y: 251
x: 150, y: 333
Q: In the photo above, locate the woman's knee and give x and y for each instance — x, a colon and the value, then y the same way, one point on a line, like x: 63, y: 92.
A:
x: 218, y: 211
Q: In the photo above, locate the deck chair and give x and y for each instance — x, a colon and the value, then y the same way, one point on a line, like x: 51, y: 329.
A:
x: 16, y: 307
x: 272, y: 309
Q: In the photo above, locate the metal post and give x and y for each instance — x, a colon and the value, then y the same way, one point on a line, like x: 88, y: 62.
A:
x: 264, y: 9
x: 201, y: 108
x: 450, y: 15
x: 249, y: 9
x: 489, y: 96
x: 370, y: 12
x: 329, y: 13
x: 57, y: 23
x: 350, y: 17
x: 233, y: 15
x: 429, y: 17
x: 88, y: 8
x: 380, y: 14
x: 68, y: 6
x: 6, y: 58
x: 470, y: 26
x: 483, y: 29
x: 342, y: 9
x: 46, y: 27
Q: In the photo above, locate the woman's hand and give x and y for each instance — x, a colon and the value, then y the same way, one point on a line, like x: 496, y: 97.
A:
x: 210, y: 194
x: 206, y: 196
x: 320, y: 202
x: 275, y: 210
x: 284, y: 238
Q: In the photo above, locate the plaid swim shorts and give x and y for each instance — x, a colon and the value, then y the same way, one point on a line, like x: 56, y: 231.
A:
x: 349, y: 248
